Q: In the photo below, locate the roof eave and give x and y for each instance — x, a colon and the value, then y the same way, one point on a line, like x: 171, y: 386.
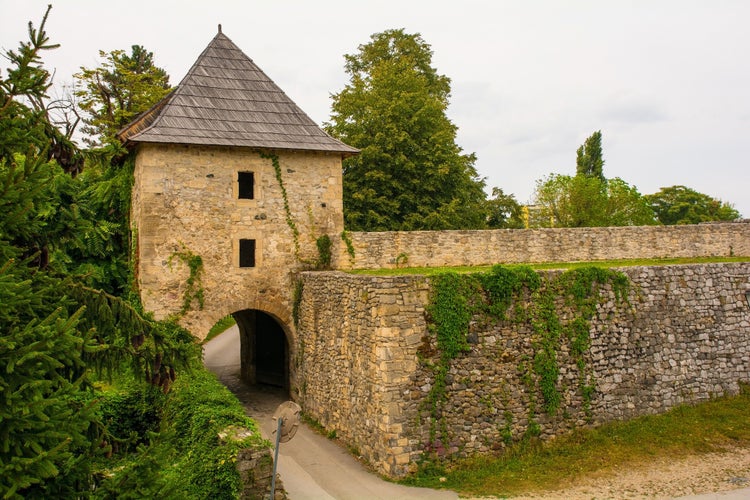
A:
x: 144, y: 121
x: 345, y: 151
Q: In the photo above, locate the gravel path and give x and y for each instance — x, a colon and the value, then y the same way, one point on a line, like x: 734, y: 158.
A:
x: 707, y: 476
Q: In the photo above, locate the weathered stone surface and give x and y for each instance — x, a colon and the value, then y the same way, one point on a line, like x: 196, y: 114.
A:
x: 254, y: 465
x: 474, y: 248
x: 679, y: 341
x: 185, y: 199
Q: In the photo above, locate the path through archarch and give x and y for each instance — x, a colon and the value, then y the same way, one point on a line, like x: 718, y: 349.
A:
x: 310, y: 465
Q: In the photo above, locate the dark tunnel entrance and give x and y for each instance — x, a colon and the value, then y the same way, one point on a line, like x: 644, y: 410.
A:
x: 264, y: 351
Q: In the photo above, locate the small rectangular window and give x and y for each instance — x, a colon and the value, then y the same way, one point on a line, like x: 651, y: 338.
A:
x: 246, y: 184
x: 247, y: 253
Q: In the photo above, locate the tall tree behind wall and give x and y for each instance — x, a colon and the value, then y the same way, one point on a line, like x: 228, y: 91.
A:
x: 410, y: 174
x: 112, y: 94
x: 589, y: 198
x: 682, y: 205
x: 589, y: 159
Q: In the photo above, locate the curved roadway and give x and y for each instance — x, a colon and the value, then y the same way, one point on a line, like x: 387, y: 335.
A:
x: 310, y: 466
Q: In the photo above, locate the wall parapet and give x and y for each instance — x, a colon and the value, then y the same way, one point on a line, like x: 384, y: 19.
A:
x: 364, y: 361
x: 375, y: 250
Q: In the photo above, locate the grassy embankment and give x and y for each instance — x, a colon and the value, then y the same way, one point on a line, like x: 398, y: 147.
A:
x: 554, y: 265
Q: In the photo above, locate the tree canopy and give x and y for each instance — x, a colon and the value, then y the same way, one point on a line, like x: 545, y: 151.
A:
x: 410, y: 174
x: 60, y: 330
x: 682, y: 205
x: 589, y: 159
x: 112, y: 94
x: 589, y: 198
x: 504, y: 212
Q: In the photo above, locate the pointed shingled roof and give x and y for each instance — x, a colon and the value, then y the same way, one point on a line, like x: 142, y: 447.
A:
x: 226, y: 100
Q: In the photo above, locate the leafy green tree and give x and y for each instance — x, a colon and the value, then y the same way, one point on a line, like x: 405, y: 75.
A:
x: 410, y: 174
x: 589, y: 199
x: 56, y: 331
x: 43, y: 384
x: 25, y: 106
x: 26, y: 80
x: 626, y: 206
x: 112, y: 94
x: 589, y: 159
x: 504, y: 211
x: 572, y: 201
x: 682, y: 205
x: 581, y: 201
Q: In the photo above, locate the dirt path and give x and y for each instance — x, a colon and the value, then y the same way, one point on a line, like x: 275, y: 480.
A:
x: 715, y: 475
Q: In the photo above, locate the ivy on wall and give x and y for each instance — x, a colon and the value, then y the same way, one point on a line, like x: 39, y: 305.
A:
x: 324, y: 245
x: 459, y: 301
x: 288, y: 211
x: 194, y: 282
x: 297, y: 300
x: 349, y: 245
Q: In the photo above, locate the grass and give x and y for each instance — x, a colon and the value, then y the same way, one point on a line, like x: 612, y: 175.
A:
x: 553, y: 265
x: 529, y: 466
x: 220, y: 327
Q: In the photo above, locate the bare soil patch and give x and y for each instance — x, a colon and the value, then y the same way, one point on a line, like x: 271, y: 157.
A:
x: 662, y: 479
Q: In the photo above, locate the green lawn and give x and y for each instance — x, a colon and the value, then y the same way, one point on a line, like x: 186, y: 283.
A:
x: 553, y: 265
x: 220, y: 327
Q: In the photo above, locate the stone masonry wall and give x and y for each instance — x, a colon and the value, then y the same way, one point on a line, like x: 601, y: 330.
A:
x: 474, y: 248
x: 185, y: 199
x: 355, y: 353
x: 364, y: 352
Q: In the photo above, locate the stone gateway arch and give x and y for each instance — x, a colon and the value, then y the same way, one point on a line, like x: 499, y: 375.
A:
x: 234, y: 184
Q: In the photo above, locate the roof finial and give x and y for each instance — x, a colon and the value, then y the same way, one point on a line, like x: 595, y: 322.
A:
x: 219, y: 28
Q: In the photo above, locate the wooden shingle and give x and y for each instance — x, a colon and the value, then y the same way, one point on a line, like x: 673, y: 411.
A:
x: 226, y: 100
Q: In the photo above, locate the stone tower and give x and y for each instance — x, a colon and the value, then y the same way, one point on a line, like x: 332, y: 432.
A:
x: 234, y: 184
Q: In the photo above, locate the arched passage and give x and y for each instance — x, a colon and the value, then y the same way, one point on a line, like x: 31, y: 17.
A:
x: 264, y: 350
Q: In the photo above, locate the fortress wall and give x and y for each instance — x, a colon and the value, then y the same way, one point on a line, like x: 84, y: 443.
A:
x: 365, y: 354
x: 474, y: 248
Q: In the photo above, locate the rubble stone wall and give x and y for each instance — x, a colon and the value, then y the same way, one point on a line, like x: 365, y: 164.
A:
x: 379, y: 250
x: 364, y: 355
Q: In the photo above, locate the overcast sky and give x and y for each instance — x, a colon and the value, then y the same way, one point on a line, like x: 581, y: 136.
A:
x: 666, y: 82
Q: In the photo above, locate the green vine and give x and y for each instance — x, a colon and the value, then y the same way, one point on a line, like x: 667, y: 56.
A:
x: 582, y: 287
x: 502, y: 283
x: 402, y: 259
x: 289, y: 219
x: 324, y: 245
x: 456, y: 299
x: 450, y: 315
x: 546, y: 325
x: 194, y: 282
x: 349, y: 245
x: 296, y: 300
x: 580, y: 290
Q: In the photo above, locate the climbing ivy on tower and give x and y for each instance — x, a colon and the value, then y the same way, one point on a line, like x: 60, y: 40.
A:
x: 288, y: 211
x: 194, y: 282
